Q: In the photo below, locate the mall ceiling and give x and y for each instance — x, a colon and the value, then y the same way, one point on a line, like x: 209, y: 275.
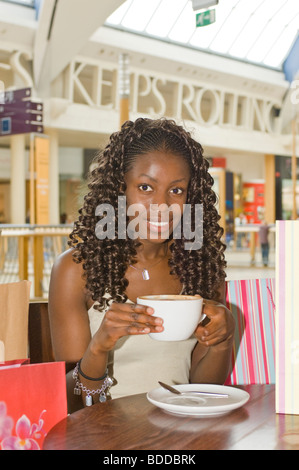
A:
x: 256, y: 31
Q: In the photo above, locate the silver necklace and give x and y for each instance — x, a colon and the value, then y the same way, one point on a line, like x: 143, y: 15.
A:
x: 144, y: 271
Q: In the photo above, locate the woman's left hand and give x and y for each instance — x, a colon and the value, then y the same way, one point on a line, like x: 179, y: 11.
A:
x: 218, y: 328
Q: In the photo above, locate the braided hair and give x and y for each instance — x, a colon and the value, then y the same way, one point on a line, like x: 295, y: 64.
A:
x: 105, y: 262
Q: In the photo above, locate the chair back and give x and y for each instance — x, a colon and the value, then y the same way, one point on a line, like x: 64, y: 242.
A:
x: 252, y: 304
x: 40, y: 343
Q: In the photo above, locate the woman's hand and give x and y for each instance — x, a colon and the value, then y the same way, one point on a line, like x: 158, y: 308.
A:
x: 123, y: 320
x: 218, y: 327
x: 211, y: 357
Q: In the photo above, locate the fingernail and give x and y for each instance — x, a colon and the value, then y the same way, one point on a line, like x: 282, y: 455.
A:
x: 159, y: 328
x: 146, y: 330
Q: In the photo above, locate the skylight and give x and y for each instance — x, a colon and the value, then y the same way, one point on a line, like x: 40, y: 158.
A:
x: 256, y: 31
x: 27, y: 3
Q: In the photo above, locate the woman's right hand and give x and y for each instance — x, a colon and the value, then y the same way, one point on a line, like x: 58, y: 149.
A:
x: 123, y: 320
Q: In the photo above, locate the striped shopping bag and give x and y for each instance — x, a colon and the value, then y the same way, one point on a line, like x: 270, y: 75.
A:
x: 253, y: 358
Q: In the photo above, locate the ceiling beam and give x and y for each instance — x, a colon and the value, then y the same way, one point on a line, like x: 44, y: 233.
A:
x: 63, y: 30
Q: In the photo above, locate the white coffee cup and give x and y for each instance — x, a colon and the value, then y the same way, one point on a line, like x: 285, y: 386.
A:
x: 180, y: 313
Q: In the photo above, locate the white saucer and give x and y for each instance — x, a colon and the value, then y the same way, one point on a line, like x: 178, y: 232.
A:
x: 198, y: 405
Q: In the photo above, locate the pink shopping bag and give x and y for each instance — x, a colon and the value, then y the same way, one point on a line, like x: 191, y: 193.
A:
x: 32, y: 401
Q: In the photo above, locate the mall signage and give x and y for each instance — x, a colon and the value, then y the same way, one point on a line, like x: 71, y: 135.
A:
x: 203, y: 100
x: 19, y: 115
x: 205, y: 18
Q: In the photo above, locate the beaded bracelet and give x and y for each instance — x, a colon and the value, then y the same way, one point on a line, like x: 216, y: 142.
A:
x: 79, y: 387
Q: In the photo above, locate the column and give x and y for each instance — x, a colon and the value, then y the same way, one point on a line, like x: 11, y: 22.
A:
x: 18, y: 179
x: 270, y: 188
x: 124, y: 88
x: 54, y: 216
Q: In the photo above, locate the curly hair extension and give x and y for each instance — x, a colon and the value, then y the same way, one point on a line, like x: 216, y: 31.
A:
x: 105, y: 261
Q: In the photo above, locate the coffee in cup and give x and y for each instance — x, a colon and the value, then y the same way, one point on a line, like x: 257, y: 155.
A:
x: 180, y: 314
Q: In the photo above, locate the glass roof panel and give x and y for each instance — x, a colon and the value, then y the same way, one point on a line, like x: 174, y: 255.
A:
x: 257, y: 31
x: 165, y: 17
x: 183, y: 28
x: 27, y: 3
x: 283, y: 43
x: 119, y: 13
x: 139, y: 14
x: 256, y: 23
x: 271, y: 32
x: 233, y: 25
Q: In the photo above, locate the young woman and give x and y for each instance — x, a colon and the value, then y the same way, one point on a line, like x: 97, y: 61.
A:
x: 155, y: 169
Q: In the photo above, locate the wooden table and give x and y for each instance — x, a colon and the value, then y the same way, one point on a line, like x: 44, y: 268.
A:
x: 133, y: 423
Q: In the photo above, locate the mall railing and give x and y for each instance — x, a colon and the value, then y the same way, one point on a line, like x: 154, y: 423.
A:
x: 28, y: 252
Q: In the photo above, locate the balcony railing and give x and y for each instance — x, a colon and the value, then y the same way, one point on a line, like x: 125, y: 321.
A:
x: 28, y: 252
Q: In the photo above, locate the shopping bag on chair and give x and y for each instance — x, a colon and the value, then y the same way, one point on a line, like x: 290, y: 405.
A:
x: 252, y: 303
x: 14, y: 305
x: 32, y: 401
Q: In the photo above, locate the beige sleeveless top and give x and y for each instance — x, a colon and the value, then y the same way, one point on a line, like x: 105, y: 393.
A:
x: 139, y: 362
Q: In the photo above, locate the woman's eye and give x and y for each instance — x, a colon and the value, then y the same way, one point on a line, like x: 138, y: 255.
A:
x: 145, y: 187
x: 177, y: 191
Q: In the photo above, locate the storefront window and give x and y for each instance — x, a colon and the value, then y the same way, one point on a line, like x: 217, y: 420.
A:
x: 284, y: 188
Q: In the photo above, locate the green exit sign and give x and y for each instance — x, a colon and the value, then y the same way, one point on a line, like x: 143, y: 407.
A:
x: 205, y: 18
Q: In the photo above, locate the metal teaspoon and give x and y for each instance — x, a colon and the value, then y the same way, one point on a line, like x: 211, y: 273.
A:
x: 177, y: 392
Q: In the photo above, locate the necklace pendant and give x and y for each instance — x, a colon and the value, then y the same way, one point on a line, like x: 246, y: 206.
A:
x: 145, y: 275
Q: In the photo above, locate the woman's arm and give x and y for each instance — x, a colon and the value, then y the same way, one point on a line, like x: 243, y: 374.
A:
x: 70, y: 330
x: 212, y: 355
x: 68, y: 309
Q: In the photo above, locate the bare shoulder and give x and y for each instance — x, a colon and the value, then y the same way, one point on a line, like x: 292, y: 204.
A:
x: 67, y: 279
x: 68, y: 309
x: 65, y: 261
x: 66, y: 268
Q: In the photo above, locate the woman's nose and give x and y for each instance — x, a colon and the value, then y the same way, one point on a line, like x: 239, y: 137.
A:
x: 162, y: 199
x: 159, y: 212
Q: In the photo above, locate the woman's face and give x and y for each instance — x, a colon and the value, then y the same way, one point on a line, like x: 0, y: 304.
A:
x: 156, y: 191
